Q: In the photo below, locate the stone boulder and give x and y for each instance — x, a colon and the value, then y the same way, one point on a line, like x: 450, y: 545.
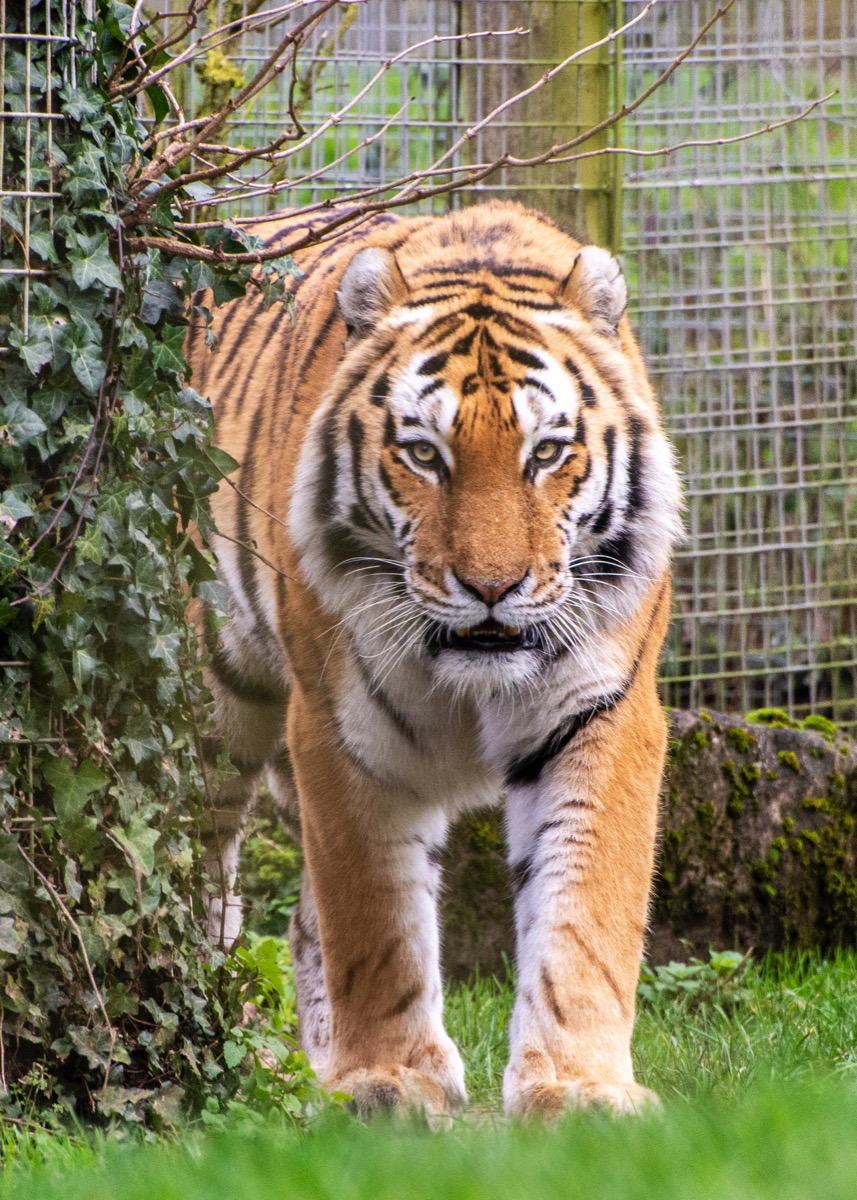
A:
x: 758, y: 847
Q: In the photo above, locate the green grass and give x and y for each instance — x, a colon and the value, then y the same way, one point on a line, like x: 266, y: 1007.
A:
x: 758, y: 1073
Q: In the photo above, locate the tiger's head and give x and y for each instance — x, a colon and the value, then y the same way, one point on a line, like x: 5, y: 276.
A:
x: 486, y: 483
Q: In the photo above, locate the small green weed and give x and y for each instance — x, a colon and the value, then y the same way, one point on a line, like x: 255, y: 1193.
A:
x: 696, y: 982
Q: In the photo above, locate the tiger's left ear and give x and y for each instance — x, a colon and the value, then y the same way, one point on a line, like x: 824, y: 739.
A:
x: 370, y: 287
x: 596, y: 286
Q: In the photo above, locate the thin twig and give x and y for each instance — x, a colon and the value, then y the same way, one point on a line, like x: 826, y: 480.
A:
x: 543, y: 79
x: 252, y: 549
x: 176, y: 151
x: 250, y: 501
x: 60, y: 904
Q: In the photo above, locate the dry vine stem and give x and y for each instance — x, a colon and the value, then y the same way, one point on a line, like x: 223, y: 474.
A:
x: 189, y: 140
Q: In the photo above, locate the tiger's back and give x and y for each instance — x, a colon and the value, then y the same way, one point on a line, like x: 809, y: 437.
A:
x: 448, y: 542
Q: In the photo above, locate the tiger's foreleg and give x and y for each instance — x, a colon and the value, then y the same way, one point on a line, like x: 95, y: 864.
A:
x: 581, y: 845
x: 371, y: 856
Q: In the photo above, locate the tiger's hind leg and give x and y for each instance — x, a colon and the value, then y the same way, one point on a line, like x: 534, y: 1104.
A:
x: 249, y: 717
x: 314, y: 1013
x: 313, y: 1001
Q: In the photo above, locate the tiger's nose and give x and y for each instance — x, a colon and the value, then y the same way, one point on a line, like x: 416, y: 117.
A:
x: 490, y: 590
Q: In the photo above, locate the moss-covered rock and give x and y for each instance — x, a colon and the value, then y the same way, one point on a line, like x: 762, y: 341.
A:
x: 758, y: 846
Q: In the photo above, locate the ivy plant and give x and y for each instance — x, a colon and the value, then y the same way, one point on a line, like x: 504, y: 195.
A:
x: 112, y: 1004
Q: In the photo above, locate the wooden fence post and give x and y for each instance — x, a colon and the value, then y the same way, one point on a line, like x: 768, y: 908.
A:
x: 583, y: 197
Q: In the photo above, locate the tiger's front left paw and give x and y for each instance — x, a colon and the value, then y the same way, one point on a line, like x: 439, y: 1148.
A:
x: 550, y: 1100
x: 400, y: 1089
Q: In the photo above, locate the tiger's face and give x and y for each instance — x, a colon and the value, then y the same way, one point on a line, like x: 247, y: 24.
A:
x: 493, y: 482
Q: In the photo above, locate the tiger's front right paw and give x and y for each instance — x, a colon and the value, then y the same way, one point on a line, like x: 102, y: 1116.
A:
x: 396, y: 1088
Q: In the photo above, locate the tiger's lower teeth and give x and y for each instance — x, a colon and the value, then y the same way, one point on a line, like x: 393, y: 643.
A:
x: 507, y: 633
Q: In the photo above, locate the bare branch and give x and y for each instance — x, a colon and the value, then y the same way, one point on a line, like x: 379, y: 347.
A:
x: 274, y: 65
x: 419, y: 185
x: 545, y: 78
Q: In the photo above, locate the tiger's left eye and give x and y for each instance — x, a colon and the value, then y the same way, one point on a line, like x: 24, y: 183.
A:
x: 547, y: 452
x: 423, y: 453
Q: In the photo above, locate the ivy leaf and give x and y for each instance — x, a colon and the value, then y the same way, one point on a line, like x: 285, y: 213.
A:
x: 9, y: 560
x: 167, y: 351
x: 13, y: 934
x: 91, y: 262
x: 89, y: 546
x: 159, y: 297
x: 233, y: 1053
x: 226, y: 289
x: 35, y: 351
x: 72, y: 788
x: 42, y: 243
x: 13, y: 506
x: 88, y: 366
x: 83, y: 665
x: 80, y: 104
x: 138, y: 842
x: 200, y: 191
x: 224, y: 463
x: 22, y: 423
x: 158, y: 100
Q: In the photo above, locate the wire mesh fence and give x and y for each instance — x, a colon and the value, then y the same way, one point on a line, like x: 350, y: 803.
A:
x: 27, y: 115
x: 741, y: 256
x: 744, y: 270
x: 742, y: 261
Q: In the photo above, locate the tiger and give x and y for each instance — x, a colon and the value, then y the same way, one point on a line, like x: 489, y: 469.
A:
x: 446, y: 549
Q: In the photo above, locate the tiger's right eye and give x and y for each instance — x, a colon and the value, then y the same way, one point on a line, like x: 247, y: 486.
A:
x: 424, y: 454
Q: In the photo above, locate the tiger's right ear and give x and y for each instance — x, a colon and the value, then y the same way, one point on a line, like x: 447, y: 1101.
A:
x: 371, y: 285
x: 596, y: 287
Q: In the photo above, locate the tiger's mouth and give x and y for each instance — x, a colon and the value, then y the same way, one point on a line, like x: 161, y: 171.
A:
x: 489, y: 637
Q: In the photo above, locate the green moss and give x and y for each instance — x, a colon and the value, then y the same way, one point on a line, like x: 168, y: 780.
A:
x: 699, y: 738
x: 769, y: 774
x: 778, y: 718
x: 741, y: 739
x: 779, y: 843
x: 704, y: 715
x: 482, y: 833
x: 821, y: 725
x: 811, y: 836
x: 789, y: 759
x: 816, y: 804
x: 705, y: 811
x: 743, y: 782
x: 788, y: 826
x: 817, y: 751
x: 763, y: 868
